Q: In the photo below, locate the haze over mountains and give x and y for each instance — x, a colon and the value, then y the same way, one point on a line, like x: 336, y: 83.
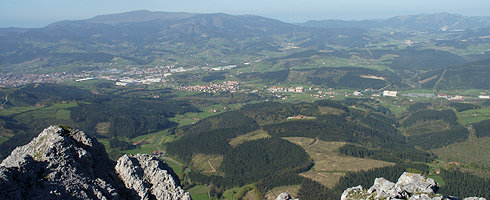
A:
x: 422, y: 22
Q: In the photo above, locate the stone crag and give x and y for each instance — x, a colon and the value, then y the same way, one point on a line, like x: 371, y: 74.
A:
x: 409, y: 186
x: 61, y: 163
x: 149, y: 176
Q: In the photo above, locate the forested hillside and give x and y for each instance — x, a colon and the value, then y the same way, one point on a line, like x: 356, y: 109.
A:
x: 368, y: 135
x: 104, y: 116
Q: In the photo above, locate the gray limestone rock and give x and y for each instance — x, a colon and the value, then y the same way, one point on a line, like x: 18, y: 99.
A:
x: 68, y: 164
x: 409, y: 186
x: 416, y: 183
x: 59, y: 164
x: 347, y: 194
x: 149, y: 177
x: 283, y: 196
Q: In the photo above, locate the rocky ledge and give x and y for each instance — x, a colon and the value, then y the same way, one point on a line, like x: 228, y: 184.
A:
x: 61, y: 163
x: 409, y: 186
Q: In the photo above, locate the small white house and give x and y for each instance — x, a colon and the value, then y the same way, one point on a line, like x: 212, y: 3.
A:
x: 388, y: 93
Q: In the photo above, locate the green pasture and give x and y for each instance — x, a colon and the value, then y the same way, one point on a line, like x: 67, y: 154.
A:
x: 58, y: 111
x: 17, y: 110
x: 208, y: 111
x: 473, y: 116
x: 199, y: 192
x: 438, y: 179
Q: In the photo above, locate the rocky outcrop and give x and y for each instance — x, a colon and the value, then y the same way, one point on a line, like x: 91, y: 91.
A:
x: 409, y: 186
x: 149, y: 177
x: 284, y: 196
x: 61, y: 163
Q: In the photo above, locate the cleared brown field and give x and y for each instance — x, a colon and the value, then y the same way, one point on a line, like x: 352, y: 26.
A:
x: 103, y: 128
x: 329, y: 110
x: 207, y: 163
x: 329, y: 165
x: 259, y: 134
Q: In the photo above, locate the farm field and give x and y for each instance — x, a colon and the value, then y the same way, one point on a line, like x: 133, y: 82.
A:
x: 329, y: 166
x: 473, y: 116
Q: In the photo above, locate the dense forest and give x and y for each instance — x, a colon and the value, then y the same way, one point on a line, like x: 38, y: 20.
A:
x: 128, y: 117
x: 431, y: 139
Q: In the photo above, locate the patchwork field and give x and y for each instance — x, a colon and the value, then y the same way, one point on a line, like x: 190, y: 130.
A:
x: 207, y: 163
x: 329, y: 165
x: 259, y: 134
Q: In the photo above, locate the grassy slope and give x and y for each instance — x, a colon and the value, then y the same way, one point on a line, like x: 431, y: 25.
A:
x: 473, y: 116
x: 259, y: 134
x: 478, y: 148
x: 199, y: 192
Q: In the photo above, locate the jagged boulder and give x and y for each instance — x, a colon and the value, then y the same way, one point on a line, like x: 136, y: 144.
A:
x: 284, y: 196
x: 149, y: 177
x: 409, y: 186
x: 416, y: 183
x: 61, y: 163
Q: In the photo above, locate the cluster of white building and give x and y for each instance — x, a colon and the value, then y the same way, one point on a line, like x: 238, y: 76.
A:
x: 298, y: 89
x: 227, y: 86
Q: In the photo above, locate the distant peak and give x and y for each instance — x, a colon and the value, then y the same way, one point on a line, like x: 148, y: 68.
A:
x: 138, y: 16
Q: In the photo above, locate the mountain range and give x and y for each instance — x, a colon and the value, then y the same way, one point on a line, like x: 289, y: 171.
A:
x: 422, y: 22
x: 144, y: 37
x: 146, y: 26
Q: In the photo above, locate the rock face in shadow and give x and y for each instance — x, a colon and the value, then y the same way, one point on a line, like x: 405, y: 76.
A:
x: 61, y: 163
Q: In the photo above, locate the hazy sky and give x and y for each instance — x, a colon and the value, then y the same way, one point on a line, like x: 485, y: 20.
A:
x: 39, y: 13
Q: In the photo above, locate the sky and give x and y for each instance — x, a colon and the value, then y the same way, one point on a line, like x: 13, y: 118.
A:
x: 39, y: 13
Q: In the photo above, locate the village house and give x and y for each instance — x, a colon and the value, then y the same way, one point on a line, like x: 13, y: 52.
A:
x: 388, y: 93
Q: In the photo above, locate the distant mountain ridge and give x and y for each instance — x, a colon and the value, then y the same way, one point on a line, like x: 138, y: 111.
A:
x: 139, y: 16
x: 137, y: 35
x: 165, y: 26
x: 145, y: 37
x: 439, y: 21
